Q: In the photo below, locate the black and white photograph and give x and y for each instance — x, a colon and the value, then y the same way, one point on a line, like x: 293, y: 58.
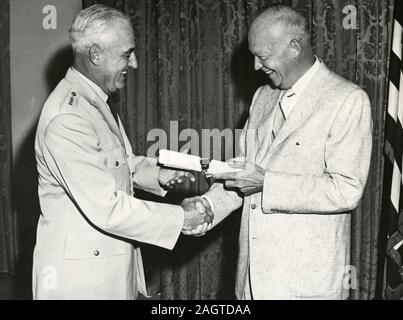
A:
x: 214, y: 151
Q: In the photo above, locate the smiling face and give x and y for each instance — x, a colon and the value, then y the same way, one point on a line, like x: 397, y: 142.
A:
x: 273, y: 54
x: 117, y: 56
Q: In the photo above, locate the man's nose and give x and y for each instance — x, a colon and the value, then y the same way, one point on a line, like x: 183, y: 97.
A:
x: 258, y: 65
x: 133, y: 61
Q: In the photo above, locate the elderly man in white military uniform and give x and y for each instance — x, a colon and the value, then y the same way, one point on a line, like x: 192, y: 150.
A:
x: 87, y: 171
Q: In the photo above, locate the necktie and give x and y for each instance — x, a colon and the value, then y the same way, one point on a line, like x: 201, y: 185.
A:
x: 114, y: 109
x: 280, y: 116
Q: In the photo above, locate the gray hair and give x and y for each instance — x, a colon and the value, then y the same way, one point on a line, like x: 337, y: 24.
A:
x: 91, y: 23
x: 294, y: 20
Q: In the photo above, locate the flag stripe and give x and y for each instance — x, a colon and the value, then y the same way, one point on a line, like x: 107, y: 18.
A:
x: 395, y: 190
x: 393, y: 101
x: 396, y: 70
x: 397, y: 34
x: 393, y: 183
x: 394, y: 135
x: 398, y: 14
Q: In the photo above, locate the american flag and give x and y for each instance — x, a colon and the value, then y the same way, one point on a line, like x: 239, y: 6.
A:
x: 393, y: 186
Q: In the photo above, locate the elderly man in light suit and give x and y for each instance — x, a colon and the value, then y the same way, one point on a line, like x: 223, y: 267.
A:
x: 87, y: 171
x: 306, y: 151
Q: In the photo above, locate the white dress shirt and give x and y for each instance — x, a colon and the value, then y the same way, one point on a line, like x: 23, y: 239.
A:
x: 289, y: 100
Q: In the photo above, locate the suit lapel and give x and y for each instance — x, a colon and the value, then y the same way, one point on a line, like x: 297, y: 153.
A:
x: 303, y: 108
x: 84, y: 90
x: 127, y: 145
x: 264, y: 104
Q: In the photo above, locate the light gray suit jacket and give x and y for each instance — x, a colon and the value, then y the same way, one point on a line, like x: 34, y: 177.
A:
x: 86, y: 173
x: 295, y: 235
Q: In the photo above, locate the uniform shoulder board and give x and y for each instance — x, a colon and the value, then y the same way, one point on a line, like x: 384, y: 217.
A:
x: 71, y: 99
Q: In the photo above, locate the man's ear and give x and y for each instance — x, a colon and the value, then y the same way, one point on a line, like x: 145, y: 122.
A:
x: 296, y: 47
x: 95, y: 54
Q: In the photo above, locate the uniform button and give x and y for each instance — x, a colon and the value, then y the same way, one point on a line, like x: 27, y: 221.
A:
x: 253, y: 206
x: 73, y: 94
x: 117, y: 163
x: 96, y: 253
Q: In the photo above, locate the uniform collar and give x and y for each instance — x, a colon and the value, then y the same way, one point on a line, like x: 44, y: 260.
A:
x: 93, y: 85
x: 89, y: 93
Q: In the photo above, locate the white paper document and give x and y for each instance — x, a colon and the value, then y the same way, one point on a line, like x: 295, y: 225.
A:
x: 189, y: 162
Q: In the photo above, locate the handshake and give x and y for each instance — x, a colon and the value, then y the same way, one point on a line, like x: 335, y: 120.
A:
x: 248, y: 179
x: 198, y: 216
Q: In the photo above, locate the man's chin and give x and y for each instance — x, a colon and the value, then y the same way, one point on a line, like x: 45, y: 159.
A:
x: 119, y: 86
x: 274, y: 84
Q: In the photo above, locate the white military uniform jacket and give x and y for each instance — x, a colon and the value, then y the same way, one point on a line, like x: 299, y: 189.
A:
x: 295, y: 235
x: 86, y: 172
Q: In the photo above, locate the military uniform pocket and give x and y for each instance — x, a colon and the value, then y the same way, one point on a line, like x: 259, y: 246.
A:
x: 91, y: 245
x: 115, y: 158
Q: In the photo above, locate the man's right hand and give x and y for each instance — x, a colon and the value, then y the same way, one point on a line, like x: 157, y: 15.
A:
x: 198, y: 216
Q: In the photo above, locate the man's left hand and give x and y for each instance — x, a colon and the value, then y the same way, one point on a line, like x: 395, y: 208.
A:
x: 249, y: 181
x: 169, y: 178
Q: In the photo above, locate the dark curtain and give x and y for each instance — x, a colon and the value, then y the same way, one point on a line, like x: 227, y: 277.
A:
x: 195, y: 68
x: 361, y: 56
x: 7, y: 251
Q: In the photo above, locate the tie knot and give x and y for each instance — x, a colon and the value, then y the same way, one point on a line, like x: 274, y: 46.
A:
x: 110, y: 101
x: 113, y: 103
x: 113, y: 106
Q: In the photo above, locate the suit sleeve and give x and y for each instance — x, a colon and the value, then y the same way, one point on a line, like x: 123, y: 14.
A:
x: 223, y: 202
x: 347, y: 161
x: 145, y: 174
x: 73, y: 154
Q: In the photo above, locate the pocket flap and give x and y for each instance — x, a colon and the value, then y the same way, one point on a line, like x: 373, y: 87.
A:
x: 92, y: 245
x: 115, y: 158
